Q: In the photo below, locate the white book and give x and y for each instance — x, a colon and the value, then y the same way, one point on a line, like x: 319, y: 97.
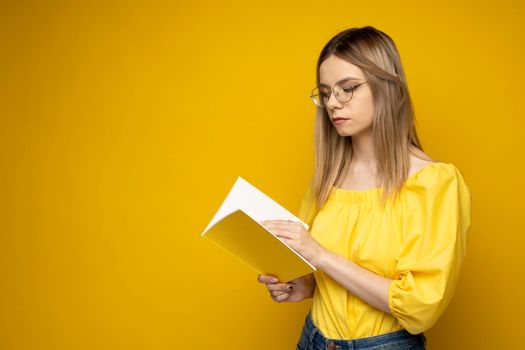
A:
x: 235, y: 227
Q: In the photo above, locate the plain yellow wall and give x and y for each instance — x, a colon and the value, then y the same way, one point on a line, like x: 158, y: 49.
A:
x: 124, y: 124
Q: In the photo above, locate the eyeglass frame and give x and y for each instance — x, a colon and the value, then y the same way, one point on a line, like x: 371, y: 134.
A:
x: 332, y: 91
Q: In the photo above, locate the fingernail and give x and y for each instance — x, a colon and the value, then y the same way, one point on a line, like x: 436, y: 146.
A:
x: 275, y: 280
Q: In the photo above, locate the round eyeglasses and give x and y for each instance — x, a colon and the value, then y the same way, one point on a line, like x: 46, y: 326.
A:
x: 342, y: 90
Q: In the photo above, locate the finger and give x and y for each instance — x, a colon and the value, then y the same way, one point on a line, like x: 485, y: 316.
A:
x: 280, y: 286
x: 284, y: 233
x: 267, y: 279
x: 281, y: 298
x: 276, y: 293
x: 287, y: 226
x: 282, y: 223
x: 283, y: 229
x: 275, y: 221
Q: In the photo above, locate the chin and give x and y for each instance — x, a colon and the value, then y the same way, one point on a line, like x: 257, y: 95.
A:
x: 345, y: 132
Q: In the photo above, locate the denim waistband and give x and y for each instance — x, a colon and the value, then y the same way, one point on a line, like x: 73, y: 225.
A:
x: 401, y: 337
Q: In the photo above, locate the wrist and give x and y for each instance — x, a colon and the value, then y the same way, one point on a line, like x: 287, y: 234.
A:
x: 320, y: 259
x: 310, y: 282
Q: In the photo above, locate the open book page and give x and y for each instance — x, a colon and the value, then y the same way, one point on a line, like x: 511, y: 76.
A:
x: 254, y: 203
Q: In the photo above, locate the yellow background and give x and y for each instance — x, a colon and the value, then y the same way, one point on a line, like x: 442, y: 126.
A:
x: 124, y: 124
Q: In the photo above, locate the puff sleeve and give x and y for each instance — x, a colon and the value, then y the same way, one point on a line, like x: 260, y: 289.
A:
x: 433, y: 249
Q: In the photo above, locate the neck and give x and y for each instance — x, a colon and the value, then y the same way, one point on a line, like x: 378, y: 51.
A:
x: 363, y: 158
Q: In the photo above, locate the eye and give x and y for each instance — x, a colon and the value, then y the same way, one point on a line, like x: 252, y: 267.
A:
x: 323, y: 94
x: 349, y: 89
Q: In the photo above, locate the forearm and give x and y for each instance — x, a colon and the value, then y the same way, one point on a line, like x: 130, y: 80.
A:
x: 366, y: 285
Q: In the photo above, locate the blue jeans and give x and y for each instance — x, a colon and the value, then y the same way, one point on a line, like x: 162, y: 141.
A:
x: 312, y: 339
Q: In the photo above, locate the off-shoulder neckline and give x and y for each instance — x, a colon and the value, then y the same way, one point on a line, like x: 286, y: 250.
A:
x: 409, y: 179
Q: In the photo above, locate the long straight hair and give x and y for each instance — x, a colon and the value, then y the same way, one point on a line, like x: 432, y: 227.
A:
x: 393, y: 124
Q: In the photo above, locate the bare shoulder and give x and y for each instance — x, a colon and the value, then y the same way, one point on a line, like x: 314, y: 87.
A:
x: 418, y: 160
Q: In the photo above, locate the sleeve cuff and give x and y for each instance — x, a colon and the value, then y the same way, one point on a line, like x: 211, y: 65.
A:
x: 391, y: 305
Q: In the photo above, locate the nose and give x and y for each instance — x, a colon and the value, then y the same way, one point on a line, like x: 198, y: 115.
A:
x: 332, y: 102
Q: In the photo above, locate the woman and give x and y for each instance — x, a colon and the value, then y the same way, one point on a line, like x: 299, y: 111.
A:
x: 388, y: 224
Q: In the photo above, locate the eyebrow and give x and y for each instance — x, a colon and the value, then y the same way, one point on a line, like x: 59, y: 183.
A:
x: 342, y: 80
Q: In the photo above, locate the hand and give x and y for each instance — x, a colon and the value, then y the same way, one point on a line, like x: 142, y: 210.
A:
x: 297, y: 237
x: 301, y: 288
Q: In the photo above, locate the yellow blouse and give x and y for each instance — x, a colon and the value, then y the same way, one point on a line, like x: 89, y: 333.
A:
x: 419, y: 242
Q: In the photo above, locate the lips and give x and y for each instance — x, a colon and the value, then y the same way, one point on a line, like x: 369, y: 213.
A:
x: 339, y: 118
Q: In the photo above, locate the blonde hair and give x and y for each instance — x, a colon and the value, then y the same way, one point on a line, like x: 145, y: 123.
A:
x: 393, y: 125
